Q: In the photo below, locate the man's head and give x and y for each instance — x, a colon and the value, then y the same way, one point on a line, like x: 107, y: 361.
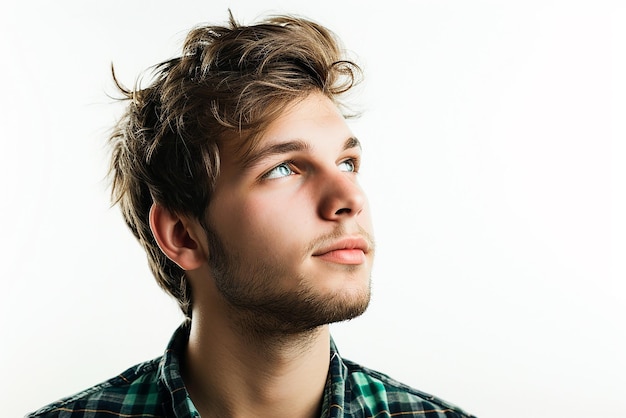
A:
x: 213, y: 106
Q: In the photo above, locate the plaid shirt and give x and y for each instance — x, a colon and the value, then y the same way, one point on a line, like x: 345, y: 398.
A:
x: 156, y: 389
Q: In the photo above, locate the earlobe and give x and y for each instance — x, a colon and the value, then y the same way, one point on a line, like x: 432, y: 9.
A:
x: 176, y: 238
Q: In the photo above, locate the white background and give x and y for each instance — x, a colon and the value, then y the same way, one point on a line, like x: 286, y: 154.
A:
x: 494, y: 136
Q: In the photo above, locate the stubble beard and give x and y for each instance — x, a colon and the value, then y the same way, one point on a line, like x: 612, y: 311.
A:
x: 259, y: 309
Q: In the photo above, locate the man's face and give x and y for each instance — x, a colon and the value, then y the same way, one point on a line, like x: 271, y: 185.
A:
x: 289, y: 226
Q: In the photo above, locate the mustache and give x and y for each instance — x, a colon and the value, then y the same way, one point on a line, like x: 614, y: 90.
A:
x: 339, y: 233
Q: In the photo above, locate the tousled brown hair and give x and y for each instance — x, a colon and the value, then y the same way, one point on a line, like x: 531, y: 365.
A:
x: 229, y: 83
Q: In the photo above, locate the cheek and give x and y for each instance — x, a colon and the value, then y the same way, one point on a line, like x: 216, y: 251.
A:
x: 272, y: 220
x: 264, y: 224
x: 365, y: 219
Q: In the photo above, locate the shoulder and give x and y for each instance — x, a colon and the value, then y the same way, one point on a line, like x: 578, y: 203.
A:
x: 376, y: 392
x: 133, y: 392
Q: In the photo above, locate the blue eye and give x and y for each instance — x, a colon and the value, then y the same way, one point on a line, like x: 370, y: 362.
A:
x: 281, y: 170
x: 348, y: 166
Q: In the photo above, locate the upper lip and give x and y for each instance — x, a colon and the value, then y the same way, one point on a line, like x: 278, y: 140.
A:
x: 349, y: 243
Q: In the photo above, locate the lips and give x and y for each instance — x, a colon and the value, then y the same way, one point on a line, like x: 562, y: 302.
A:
x: 350, y: 251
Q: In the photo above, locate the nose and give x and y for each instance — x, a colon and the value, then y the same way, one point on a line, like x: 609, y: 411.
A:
x: 341, y: 196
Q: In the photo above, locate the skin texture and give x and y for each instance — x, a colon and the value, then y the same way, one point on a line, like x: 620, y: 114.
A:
x: 287, y: 250
x: 273, y: 218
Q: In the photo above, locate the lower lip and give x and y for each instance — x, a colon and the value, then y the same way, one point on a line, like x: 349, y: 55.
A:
x: 347, y: 256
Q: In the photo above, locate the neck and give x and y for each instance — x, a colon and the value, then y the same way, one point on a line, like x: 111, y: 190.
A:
x: 234, y: 373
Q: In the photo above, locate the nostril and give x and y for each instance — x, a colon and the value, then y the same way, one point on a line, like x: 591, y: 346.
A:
x: 343, y: 210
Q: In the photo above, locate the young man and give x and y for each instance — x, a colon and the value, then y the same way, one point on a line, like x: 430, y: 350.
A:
x: 237, y: 172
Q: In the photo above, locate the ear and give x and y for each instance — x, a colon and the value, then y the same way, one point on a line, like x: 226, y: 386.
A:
x: 177, y: 237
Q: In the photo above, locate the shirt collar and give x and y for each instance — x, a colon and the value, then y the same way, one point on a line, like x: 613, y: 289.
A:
x: 333, y: 404
x: 175, y: 395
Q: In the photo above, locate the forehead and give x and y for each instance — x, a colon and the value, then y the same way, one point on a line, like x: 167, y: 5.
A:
x: 310, y: 119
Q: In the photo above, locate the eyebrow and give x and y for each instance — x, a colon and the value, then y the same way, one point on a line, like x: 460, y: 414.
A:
x: 291, y: 146
x: 352, y: 142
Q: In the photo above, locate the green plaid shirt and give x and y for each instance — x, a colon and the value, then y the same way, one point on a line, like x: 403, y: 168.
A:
x: 156, y: 389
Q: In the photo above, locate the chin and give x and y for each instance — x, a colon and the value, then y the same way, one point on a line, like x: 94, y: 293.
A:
x: 307, y: 310
x: 340, y: 305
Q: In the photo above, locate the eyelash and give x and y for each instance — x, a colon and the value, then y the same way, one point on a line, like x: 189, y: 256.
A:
x: 355, y: 164
x: 290, y: 164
